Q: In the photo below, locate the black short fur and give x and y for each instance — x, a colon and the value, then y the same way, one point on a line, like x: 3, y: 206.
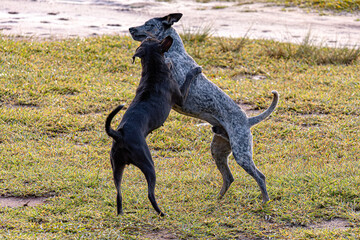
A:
x: 156, y: 94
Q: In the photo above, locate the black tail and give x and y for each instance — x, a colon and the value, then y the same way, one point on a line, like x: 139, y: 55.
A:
x: 262, y: 116
x: 111, y: 132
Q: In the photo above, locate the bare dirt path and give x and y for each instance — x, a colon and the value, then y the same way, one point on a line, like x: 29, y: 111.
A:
x: 69, y: 18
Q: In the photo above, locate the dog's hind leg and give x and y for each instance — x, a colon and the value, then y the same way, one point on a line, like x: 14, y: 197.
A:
x: 118, y: 171
x: 149, y: 172
x: 142, y: 159
x: 242, y: 151
x: 220, y: 150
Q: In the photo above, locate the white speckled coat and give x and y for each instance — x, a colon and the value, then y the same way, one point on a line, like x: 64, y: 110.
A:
x: 208, y: 102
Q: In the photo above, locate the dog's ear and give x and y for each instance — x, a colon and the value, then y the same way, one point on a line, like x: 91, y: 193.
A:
x: 166, y: 44
x: 138, y: 53
x: 170, y: 19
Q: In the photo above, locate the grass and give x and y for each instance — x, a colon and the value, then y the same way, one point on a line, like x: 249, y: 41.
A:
x: 313, y: 53
x: 335, y: 5
x: 55, y: 96
x: 198, y: 34
x: 233, y: 45
x: 219, y: 7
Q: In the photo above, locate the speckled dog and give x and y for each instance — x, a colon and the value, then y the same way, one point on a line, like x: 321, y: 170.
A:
x: 206, y: 101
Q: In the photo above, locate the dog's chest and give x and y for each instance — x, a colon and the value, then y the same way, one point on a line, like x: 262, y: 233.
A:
x: 179, y: 64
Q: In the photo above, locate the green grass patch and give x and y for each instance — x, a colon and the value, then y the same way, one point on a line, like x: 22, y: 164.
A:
x: 313, y: 53
x: 336, y: 5
x: 333, y: 5
x: 55, y: 96
x: 219, y: 7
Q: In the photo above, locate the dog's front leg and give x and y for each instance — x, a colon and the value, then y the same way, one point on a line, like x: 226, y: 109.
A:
x: 190, y: 77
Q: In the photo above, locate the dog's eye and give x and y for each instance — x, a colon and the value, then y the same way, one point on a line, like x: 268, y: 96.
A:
x: 150, y: 25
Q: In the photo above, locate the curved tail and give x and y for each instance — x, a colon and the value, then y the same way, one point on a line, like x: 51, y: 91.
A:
x: 262, y: 116
x: 111, y: 132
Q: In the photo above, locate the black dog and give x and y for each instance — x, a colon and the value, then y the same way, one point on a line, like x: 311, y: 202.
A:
x: 155, y: 96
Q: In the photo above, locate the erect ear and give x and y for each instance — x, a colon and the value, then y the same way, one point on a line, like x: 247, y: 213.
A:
x: 171, y: 18
x: 138, y: 53
x: 166, y: 44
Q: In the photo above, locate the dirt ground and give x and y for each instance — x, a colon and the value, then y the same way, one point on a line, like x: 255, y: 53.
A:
x: 82, y: 18
x: 21, y: 202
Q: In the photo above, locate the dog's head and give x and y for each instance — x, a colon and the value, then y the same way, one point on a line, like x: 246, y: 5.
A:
x: 155, y: 27
x: 151, y: 46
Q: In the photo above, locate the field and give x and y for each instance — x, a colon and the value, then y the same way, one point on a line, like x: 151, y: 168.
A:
x: 55, y: 96
x: 334, y: 5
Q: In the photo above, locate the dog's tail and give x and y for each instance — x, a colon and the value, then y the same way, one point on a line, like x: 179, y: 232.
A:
x: 111, y: 132
x: 262, y: 116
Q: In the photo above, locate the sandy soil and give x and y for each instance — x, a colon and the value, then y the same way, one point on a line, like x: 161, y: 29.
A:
x: 70, y: 18
x: 21, y: 202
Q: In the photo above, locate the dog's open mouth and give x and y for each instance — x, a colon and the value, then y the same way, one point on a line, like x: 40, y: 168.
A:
x: 139, y: 37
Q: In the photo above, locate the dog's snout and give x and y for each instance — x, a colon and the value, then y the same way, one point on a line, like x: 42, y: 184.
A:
x: 132, y: 30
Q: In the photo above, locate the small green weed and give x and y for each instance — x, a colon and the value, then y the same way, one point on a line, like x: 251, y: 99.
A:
x: 234, y: 45
x: 198, y: 34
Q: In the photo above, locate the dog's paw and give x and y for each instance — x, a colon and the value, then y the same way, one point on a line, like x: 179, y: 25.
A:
x: 169, y: 64
x: 198, y: 70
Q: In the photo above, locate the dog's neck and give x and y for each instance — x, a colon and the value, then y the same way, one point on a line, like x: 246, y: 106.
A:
x: 178, y: 45
x: 152, y: 65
